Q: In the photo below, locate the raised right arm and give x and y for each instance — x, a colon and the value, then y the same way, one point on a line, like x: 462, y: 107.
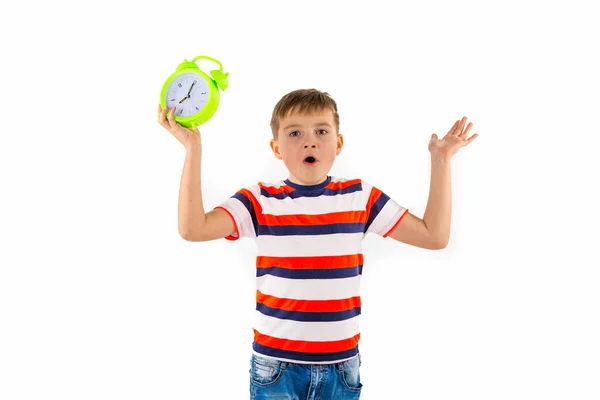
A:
x: 193, y: 223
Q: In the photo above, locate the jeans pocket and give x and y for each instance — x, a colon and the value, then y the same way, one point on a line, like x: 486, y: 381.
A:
x: 350, y: 374
x: 264, y: 371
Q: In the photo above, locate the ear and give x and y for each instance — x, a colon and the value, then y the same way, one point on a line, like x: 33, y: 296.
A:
x: 275, y: 148
x: 340, y: 144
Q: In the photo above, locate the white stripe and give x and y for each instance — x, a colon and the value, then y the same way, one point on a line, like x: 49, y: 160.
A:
x: 338, y: 244
x: 309, y: 331
x: 355, y: 201
x: 242, y: 217
x: 387, y: 217
x: 309, y: 289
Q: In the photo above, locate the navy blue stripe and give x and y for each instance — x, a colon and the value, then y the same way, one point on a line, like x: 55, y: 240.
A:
x: 308, y: 316
x: 307, y: 357
x: 314, y: 193
x: 329, y: 273
x: 308, y: 188
x: 326, y: 229
x: 375, y: 209
x: 248, y: 204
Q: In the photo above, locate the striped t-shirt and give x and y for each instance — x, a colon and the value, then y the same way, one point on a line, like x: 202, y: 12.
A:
x: 309, y: 262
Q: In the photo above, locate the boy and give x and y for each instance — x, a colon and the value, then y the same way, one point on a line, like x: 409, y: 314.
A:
x: 308, y: 229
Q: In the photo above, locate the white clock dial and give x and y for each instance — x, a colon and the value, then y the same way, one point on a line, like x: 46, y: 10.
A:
x: 188, y: 93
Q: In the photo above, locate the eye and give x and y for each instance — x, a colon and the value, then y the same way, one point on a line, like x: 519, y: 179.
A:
x: 322, y: 130
x: 294, y: 133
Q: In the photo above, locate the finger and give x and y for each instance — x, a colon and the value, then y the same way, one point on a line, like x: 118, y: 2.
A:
x: 465, y: 133
x: 451, y: 131
x: 473, y: 137
x: 161, y: 115
x: 171, y: 119
x: 457, y: 127
x: 163, y: 118
x: 461, y: 125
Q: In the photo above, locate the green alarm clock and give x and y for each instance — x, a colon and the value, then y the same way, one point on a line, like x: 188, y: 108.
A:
x: 193, y: 93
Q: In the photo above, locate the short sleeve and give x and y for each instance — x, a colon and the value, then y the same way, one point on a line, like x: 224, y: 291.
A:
x: 383, y: 213
x: 242, y: 207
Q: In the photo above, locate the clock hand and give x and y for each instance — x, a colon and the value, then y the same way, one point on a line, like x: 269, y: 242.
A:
x: 190, y: 91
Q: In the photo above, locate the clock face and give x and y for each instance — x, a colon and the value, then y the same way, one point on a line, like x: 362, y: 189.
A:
x: 188, y: 93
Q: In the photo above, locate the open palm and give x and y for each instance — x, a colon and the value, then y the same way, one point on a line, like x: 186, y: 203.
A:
x: 456, y: 138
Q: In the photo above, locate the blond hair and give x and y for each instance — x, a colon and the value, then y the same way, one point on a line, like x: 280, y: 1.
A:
x: 303, y: 101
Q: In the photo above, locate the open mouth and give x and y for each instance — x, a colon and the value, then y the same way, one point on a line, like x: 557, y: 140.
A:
x: 310, y: 160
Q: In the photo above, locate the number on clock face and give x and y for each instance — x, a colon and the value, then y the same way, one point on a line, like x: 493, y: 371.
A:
x: 188, y: 93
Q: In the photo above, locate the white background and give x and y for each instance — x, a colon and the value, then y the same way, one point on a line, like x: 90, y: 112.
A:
x: 100, y: 298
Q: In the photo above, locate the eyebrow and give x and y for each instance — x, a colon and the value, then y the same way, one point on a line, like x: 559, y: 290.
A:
x: 300, y: 126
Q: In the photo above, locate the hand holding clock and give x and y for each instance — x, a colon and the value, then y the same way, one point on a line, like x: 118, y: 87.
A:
x: 186, y: 136
x: 191, y: 111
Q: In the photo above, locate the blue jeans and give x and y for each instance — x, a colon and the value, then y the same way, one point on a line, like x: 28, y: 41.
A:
x: 282, y: 380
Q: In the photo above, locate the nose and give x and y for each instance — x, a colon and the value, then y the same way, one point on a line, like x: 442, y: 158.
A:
x: 310, y: 142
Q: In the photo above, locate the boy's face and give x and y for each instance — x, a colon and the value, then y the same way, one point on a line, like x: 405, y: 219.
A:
x: 301, y: 137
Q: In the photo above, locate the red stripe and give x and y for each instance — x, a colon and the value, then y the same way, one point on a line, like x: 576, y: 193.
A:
x: 342, y: 185
x: 308, y: 305
x: 305, y: 346
x: 274, y: 190
x: 309, y: 220
x: 373, y: 196
x: 323, y: 262
x: 255, y: 203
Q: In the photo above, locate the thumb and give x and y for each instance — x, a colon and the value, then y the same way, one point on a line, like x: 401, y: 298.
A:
x: 433, y: 136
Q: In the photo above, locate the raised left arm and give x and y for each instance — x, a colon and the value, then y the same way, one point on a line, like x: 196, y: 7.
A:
x: 433, y: 231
